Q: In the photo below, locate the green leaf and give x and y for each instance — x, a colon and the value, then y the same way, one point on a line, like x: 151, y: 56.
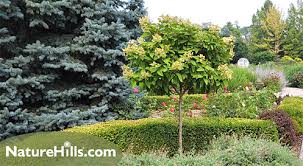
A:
x: 166, y: 61
x: 180, y: 77
x: 193, y: 63
x: 160, y: 73
x: 200, y: 69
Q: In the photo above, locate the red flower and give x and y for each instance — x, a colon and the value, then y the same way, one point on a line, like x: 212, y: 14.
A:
x: 172, y: 110
x: 164, y: 104
x: 175, y: 98
x: 136, y: 90
x: 205, y: 97
x: 225, y: 90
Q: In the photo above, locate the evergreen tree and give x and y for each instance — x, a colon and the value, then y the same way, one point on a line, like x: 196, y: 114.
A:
x: 60, y: 62
x: 273, y: 26
x: 267, y: 29
x: 294, y: 31
x: 256, y: 30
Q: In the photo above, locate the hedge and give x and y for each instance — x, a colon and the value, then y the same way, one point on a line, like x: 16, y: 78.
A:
x: 294, y: 107
x: 150, y: 135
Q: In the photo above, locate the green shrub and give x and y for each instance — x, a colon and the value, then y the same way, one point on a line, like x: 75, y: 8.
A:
x: 294, y: 74
x: 262, y: 57
x: 155, y: 103
x: 299, y: 60
x: 224, y: 151
x: 287, y: 60
x: 148, y: 135
x: 243, y: 104
x: 241, y: 77
x: 270, y: 76
x: 294, y: 107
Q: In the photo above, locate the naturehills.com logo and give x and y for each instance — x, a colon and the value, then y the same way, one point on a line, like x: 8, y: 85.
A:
x: 58, y: 148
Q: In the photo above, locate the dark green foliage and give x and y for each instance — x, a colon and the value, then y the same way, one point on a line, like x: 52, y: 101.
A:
x: 148, y: 135
x: 225, y: 151
x: 286, y: 127
x: 294, y: 32
x: 262, y: 57
x: 134, y: 107
x: 61, y: 62
x: 240, y: 49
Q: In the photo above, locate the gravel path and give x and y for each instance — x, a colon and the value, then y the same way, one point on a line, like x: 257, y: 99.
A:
x: 291, y: 92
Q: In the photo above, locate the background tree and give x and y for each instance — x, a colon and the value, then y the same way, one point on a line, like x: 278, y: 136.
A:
x: 257, y: 33
x: 60, y: 62
x: 241, y: 48
x: 293, y: 38
x: 267, y: 30
x: 175, y: 54
x: 273, y: 26
x: 135, y: 10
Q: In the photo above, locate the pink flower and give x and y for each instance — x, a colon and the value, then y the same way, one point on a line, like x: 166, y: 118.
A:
x: 205, y: 97
x: 136, y: 90
x: 247, y: 88
x: 226, y: 90
x: 195, y: 105
x: 172, y: 110
x: 163, y: 104
x: 175, y: 98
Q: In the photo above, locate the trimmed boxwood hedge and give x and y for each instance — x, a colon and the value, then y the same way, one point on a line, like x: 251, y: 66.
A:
x: 161, y: 134
x: 294, y: 107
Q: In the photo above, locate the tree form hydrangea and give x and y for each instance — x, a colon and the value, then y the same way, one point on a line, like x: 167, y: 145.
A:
x: 176, y: 56
x: 60, y: 61
x: 174, y: 52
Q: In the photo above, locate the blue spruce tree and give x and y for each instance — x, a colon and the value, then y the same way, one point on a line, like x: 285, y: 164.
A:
x: 60, y: 61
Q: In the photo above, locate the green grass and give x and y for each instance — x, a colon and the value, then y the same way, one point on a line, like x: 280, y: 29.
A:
x: 294, y: 74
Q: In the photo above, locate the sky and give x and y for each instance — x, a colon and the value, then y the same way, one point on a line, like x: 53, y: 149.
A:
x: 216, y: 11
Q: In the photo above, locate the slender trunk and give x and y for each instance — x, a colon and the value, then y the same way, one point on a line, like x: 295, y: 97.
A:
x: 180, y: 125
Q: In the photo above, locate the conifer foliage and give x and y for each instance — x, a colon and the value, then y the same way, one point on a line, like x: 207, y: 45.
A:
x: 60, y: 61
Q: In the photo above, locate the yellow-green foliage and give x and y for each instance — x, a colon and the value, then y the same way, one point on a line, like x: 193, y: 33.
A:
x: 294, y: 107
x: 147, y: 135
x: 177, y: 54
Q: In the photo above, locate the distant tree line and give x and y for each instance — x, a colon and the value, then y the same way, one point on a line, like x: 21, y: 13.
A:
x: 270, y: 36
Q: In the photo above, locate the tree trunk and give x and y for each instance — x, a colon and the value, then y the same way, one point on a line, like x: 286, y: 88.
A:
x: 180, y: 125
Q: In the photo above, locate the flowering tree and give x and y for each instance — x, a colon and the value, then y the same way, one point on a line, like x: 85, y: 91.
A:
x: 177, y: 55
